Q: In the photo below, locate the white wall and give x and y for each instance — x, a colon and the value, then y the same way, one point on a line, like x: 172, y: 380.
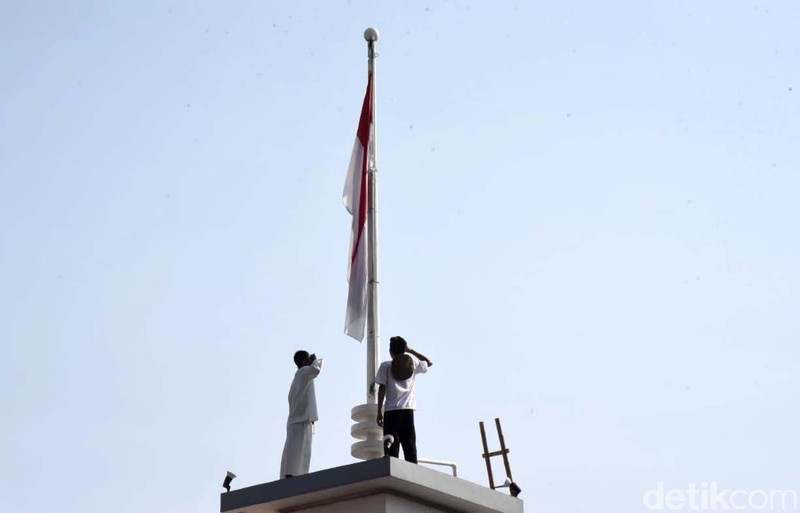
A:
x: 381, y: 503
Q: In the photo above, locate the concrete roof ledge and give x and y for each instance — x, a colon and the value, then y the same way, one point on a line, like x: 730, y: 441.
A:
x: 333, y: 489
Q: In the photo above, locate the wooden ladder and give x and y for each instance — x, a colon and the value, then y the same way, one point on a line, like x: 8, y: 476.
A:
x: 502, y: 452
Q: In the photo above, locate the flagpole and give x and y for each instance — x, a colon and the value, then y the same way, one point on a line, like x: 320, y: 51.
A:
x: 366, y: 428
x: 373, y: 288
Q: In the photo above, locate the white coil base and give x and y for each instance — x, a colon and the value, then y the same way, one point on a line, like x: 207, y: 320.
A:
x: 368, y: 431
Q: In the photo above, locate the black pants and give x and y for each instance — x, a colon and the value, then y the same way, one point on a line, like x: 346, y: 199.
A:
x: 400, y: 424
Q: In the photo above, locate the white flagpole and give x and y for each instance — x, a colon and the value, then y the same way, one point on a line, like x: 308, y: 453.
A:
x: 373, y: 284
x: 366, y: 428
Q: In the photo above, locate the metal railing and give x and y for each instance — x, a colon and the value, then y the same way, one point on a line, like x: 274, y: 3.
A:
x: 450, y: 464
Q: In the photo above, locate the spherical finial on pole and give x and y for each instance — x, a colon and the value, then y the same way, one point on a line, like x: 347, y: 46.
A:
x: 371, y: 34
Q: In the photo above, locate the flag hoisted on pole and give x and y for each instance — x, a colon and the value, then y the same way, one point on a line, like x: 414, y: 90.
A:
x: 363, y: 305
x: 356, y: 201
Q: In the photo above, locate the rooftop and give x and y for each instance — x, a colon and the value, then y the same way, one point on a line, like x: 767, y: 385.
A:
x: 379, y: 479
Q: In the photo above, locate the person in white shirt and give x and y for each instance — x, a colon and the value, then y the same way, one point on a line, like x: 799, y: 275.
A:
x: 396, y: 381
x: 302, y: 415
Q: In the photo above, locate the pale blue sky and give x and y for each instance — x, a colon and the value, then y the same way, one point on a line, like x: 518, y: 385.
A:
x: 588, y: 221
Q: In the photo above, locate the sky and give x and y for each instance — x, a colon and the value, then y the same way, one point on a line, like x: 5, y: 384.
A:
x: 588, y: 221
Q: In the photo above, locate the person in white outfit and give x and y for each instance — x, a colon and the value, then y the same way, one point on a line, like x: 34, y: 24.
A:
x: 302, y: 415
x: 396, y: 381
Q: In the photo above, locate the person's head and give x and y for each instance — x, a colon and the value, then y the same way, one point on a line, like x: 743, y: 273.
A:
x: 301, y: 358
x: 397, y: 346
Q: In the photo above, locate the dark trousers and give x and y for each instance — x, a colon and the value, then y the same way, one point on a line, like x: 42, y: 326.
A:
x: 400, y: 424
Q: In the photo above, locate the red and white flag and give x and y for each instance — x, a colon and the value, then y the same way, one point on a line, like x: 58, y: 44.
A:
x: 355, y: 201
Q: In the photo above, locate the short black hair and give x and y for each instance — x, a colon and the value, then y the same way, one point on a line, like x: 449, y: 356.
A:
x: 300, y: 358
x: 398, y: 345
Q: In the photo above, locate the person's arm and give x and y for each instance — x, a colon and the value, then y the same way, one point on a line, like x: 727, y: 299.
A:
x: 312, y: 371
x: 381, y: 395
x: 420, y: 356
